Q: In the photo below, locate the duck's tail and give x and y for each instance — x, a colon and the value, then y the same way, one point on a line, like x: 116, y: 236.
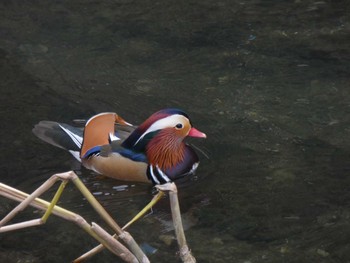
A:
x: 60, y: 135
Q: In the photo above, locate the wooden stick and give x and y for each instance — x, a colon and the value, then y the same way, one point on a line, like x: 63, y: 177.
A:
x: 100, y: 247
x: 33, y: 200
x: 120, y: 250
x: 41, y: 204
x: 133, y: 246
x: 185, y: 253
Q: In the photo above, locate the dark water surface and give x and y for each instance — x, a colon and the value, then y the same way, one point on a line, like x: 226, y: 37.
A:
x: 268, y: 81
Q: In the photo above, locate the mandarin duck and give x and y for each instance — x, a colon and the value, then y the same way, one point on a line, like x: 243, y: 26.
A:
x: 152, y: 152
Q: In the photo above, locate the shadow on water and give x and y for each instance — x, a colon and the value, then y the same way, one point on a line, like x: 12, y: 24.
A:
x: 267, y: 81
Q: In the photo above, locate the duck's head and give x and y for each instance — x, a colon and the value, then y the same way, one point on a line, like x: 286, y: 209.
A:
x: 163, y: 134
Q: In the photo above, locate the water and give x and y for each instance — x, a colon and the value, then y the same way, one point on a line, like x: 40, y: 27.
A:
x: 268, y: 81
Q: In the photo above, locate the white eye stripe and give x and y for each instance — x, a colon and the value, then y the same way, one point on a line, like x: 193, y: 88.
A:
x: 170, y: 121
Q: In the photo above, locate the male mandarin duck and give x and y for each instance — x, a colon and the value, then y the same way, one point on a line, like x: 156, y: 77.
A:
x: 152, y: 152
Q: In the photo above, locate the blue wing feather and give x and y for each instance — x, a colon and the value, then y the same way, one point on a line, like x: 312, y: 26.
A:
x: 92, y: 151
x: 135, y: 156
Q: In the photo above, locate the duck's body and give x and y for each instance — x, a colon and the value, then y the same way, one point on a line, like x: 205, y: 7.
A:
x: 153, y: 152
x: 118, y: 167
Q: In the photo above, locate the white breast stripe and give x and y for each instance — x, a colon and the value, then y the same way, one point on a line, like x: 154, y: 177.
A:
x: 163, y: 175
x: 152, y: 174
x: 75, y: 138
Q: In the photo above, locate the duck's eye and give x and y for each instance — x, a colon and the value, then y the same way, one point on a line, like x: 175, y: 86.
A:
x: 179, y: 126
